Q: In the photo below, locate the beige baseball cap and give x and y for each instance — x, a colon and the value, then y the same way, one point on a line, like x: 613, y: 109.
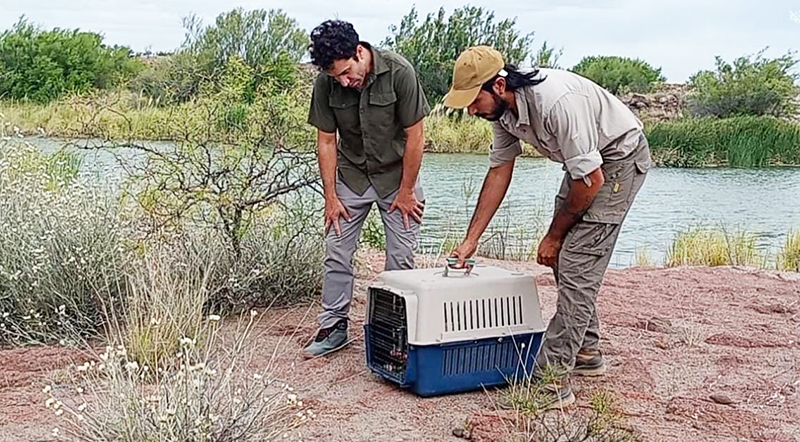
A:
x: 474, y: 67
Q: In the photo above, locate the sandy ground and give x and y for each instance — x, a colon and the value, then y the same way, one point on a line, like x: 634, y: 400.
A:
x: 673, y: 337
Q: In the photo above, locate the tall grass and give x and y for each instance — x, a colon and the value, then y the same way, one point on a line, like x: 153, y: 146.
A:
x: 448, y: 134
x: 789, y: 255
x: 706, y: 246
x: 602, y: 421
x: 208, y: 390
x: 72, y: 248
x: 125, y: 115
x: 739, y: 142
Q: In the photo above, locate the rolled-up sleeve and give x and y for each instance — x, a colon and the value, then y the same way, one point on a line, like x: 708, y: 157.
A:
x: 505, y: 146
x: 571, y: 121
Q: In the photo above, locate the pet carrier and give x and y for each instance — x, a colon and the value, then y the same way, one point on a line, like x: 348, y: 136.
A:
x: 438, y: 331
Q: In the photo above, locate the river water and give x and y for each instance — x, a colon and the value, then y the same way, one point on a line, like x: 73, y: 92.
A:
x: 763, y: 201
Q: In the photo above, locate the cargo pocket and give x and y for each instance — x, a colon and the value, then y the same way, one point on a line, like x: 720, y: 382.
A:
x: 590, y: 238
x: 612, y: 201
x: 642, y: 163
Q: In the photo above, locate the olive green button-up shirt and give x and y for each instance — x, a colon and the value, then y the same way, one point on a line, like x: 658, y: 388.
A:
x: 371, y: 122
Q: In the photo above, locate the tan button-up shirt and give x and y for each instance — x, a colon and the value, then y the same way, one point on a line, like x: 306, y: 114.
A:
x: 568, y: 119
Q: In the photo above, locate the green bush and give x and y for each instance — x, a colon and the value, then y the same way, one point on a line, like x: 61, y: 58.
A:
x: 749, y: 86
x: 44, y: 65
x: 737, y: 141
x: 619, y: 74
x: 268, y: 43
x: 433, y: 45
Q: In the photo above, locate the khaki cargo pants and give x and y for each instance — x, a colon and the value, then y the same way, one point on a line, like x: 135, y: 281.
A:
x: 584, y: 257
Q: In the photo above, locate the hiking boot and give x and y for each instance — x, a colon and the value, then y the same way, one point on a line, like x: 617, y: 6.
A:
x: 536, y: 398
x: 589, y: 363
x: 328, y: 340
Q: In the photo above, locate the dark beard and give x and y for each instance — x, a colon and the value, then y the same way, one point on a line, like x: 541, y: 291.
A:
x: 500, y: 108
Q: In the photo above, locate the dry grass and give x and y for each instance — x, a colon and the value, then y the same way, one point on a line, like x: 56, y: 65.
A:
x: 603, y: 422
x: 789, y: 255
x: 715, y: 247
x: 643, y: 257
x: 206, y: 393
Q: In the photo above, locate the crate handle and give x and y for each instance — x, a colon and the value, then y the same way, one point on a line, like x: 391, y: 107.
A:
x: 469, y: 264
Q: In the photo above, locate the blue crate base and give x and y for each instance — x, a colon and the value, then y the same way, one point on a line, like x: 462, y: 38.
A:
x: 461, y: 366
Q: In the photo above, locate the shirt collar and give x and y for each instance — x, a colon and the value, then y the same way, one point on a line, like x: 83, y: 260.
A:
x: 378, y: 62
x: 509, y: 119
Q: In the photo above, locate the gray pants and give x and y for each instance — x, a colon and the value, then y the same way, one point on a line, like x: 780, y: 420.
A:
x: 584, y: 258
x: 337, y: 283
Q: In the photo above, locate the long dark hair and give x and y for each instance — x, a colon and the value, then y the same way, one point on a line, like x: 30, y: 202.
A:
x: 515, y: 79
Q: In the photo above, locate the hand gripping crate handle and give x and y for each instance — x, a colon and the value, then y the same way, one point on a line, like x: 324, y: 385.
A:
x: 469, y: 264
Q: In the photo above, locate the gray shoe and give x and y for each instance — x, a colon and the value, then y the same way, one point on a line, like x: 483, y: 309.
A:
x: 328, y: 340
x: 589, y: 364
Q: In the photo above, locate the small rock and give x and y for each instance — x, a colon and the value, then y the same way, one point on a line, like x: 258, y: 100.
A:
x: 461, y: 433
x: 721, y: 399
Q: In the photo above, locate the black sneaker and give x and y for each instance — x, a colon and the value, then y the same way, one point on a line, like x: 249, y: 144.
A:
x: 590, y: 363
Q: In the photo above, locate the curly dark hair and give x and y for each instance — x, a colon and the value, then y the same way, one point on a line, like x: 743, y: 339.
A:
x: 332, y: 40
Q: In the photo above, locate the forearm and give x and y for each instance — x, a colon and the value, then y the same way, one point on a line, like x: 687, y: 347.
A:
x: 494, y: 189
x: 326, y: 155
x: 578, y: 201
x: 412, y: 156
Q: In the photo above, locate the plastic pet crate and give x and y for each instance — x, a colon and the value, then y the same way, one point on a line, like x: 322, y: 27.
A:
x: 439, y: 331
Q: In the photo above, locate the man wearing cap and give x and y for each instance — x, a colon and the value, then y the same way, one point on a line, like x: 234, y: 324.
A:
x: 600, y: 142
x: 372, y: 101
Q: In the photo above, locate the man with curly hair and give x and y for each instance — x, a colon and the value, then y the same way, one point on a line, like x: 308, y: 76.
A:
x: 368, y: 107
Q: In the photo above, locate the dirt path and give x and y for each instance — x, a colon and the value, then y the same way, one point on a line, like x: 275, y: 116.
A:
x: 673, y: 337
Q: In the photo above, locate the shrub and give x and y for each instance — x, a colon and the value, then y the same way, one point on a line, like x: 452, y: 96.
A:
x: 208, y: 392
x: 752, y: 85
x: 433, y: 45
x: 44, y: 65
x: 619, y: 74
x: 59, y: 241
x: 268, y: 43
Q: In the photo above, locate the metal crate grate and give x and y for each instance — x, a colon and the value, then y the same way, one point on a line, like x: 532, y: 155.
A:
x: 389, y: 333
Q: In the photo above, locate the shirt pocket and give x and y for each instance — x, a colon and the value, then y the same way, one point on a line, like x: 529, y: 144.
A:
x: 382, y: 112
x: 345, y: 110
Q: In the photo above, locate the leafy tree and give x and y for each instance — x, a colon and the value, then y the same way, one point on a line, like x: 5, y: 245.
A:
x: 43, y: 65
x: 749, y: 86
x: 433, y: 45
x: 619, y: 74
x: 268, y: 42
x: 547, y: 57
